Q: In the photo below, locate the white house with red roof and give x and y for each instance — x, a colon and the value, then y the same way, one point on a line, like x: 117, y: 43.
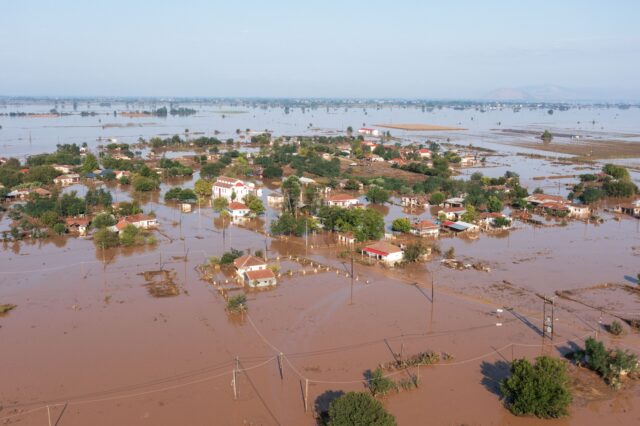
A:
x: 248, y: 262
x: 225, y: 187
x: 342, y: 200
x: 237, y: 209
x: 424, y: 153
x: 384, y: 252
x: 254, y: 272
x: 139, y: 220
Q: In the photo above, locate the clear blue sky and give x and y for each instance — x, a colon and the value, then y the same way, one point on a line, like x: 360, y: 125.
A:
x: 433, y: 49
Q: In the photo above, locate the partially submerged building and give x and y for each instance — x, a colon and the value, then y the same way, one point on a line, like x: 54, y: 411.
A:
x: 384, y: 252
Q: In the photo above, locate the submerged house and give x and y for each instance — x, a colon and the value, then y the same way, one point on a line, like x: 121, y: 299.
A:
x: 342, y: 200
x: 452, y: 213
x: 425, y: 228
x: 260, y: 278
x: 254, y: 272
x: 384, y: 252
x: 237, y: 210
x: 68, y: 179
x: 459, y: 226
x: 77, y: 225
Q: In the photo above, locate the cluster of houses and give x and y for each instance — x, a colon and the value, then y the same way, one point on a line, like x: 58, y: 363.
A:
x: 558, y: 205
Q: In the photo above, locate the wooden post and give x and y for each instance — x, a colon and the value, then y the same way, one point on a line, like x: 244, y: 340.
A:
x: 49, y: 415
x: 512, y: 352
x: 280, y: 366
x: 306, y: 394
x: 401, y: 351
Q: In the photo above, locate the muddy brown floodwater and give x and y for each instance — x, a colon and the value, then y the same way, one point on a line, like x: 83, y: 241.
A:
x: 88, y: 340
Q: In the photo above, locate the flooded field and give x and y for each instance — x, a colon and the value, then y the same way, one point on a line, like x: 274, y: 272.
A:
x: 137, y: 336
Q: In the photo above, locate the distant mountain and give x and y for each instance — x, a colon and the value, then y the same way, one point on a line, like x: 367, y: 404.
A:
x: 508, y: 94
x: 551, y: 93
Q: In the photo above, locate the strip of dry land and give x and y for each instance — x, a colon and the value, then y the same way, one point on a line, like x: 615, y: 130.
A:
x: 588, y: 149
x: 418, y: 127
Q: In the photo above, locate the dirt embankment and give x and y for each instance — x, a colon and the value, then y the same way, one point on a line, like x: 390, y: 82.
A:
x: 588, y: 149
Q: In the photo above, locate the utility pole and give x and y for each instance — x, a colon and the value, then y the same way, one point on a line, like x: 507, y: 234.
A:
x: 351, y: 300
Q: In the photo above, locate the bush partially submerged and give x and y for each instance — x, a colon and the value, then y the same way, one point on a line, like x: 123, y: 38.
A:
x: 611, y: 365
x: 237, y: 303
x: 615, y: 328
x: 540, y: 389
x: 358, y: 408
x: 380, y: 385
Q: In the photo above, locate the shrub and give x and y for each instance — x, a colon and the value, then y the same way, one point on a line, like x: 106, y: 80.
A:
x: 103, y: 238
x: 358, y: 408
x: 540, y: 389
x: 380, y: 385
x: 609, y: 364
x: 450, y: 254
x: 237, y: 303
x: 228, y: 257
x: 413, y: 252
x: 59, y: 228
x: 615, y: 328
x: 401, y: 224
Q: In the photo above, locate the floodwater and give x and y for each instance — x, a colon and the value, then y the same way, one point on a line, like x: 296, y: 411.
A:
x: 90, y: 342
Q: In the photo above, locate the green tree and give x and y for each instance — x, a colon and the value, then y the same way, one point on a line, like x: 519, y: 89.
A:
x: 291, y: 192
x: 494, y: 204
x: 358, y: 408
x: 377, y: 195
x: 103, y: 220
x: 90, y: 163
x: 470, y: 215
x: 616, y: 172
x: 401, y: 224
x: 129, y: 235
x: 220, y: 203
x: 541, y: 389
x: 203, y: 187
x: 414, y: 251
x: 436, y: 198
x: 103, y: 238
x: 255, y: 204
x: 144, y: 184
x: 546, y: 136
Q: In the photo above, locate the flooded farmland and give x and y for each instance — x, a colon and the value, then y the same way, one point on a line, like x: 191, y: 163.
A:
x: 89, y: 343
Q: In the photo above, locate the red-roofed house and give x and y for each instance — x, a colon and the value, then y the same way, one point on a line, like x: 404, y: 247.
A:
x: 424, y: 153
x: 237, y: 209
x: 342, y: 200
x: 384, y: 252
x: 537, y: 199
x: 425, y: 228
x: 248, y: 263
x: 225, y: 187
x: 260, y: 278
x: 77, y: 224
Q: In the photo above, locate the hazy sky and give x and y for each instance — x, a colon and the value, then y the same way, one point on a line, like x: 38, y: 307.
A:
x: 432, y: 49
